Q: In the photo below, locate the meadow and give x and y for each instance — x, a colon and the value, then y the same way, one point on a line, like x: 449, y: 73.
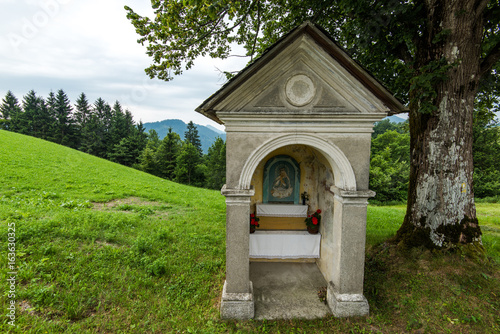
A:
x: 102, y: 248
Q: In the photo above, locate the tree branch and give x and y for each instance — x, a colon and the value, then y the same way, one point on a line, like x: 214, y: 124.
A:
x: 404, y: 53
x: 491, y: 59
x: 256, y: 32
x: 215, y: 23
x: 480, y: 7
x: 210, y: 32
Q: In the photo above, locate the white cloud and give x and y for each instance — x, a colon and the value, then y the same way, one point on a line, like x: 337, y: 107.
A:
x: 90, y: 46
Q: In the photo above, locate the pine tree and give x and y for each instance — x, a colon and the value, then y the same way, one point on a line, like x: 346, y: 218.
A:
x: 118, y: 129
x: 97, y: 129
x: 43, y: 120
x: 9, y: 109
x: 140, y: 136
x: 191, y: 135
x: 24, y: 121
x: 91, y: 135
x: 65, y: 132
x: 147, y: 161
x: 189, y: 169
x: 126, y: 152
x: 51, y: 110
x: 166, y: 155
x: 83, y: 111
x: 130, y: 124
x: 153, y: 140
x: 35, y: 120
x: 216, y: 165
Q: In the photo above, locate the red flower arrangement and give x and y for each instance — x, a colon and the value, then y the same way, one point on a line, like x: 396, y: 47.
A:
x: 254, y: 221
x: 313, y: 221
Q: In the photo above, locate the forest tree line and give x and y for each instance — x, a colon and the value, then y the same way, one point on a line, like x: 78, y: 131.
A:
x: 110, y: 132
x: 390, y: 157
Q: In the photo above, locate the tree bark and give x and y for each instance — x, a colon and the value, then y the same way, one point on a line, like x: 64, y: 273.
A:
x: 441, y: 210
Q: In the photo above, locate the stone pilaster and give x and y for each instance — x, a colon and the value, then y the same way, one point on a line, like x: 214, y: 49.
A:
x: 237, y: 296
x: 345, y: 290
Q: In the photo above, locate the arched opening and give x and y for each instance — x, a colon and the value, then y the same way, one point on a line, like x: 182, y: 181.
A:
x: 342, y: 170
x: 314, y: 177
x: 295, y: 267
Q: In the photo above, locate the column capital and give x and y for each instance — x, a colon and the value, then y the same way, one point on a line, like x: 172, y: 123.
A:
x: 352, y: 196
x: 236, y: 192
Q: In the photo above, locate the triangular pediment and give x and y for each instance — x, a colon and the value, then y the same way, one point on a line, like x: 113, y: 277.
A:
x: 299, y: 88
x: 304, y: 73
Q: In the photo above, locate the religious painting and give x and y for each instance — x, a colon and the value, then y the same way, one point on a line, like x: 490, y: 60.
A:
x: 281, y: 180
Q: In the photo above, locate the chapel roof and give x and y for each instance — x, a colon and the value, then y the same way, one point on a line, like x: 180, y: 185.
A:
x: 329, y: 45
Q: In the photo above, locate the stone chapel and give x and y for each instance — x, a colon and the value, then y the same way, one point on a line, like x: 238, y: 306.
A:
x: 299, y: 121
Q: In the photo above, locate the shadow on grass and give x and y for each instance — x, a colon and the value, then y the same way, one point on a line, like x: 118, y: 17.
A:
x: 432, y: 291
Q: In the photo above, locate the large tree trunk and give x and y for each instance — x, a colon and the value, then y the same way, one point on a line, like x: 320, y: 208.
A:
x: 441, y: 210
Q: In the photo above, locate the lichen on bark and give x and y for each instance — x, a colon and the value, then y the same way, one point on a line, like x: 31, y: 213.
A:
x: 441, y: 210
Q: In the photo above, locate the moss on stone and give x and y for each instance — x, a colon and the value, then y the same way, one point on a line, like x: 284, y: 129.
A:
x: 466, y: 232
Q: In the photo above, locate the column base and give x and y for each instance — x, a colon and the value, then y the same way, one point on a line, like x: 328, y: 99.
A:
x: 347, y: 305
x: 238, y: 306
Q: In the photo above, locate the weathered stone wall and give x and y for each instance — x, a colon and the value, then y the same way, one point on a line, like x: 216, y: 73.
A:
x: 238, y: 149
x: 326, y: 204
x: 356, y: 147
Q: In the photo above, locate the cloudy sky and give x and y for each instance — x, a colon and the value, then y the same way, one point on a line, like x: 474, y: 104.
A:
x: 90, y: 46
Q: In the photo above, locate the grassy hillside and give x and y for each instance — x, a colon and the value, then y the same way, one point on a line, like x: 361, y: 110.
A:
x: 104, y: 248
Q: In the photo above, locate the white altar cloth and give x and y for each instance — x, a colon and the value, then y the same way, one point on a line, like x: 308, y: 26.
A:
x: 281, y: 210
x: 284, y: 244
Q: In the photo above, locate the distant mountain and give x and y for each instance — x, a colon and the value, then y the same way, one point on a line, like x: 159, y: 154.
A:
x: 395, y: 119
x: 215, y: 129
x: 207, y: 134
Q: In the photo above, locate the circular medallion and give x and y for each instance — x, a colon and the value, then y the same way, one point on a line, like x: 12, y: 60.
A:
x: 300, y: 90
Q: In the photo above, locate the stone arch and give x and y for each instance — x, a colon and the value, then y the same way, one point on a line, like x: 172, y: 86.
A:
x: 342, y: 169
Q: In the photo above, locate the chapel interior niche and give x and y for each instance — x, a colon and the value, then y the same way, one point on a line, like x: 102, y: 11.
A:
x: 282, y: 179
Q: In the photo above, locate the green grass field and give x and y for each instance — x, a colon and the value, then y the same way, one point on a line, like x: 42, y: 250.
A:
x: 102, y: 248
